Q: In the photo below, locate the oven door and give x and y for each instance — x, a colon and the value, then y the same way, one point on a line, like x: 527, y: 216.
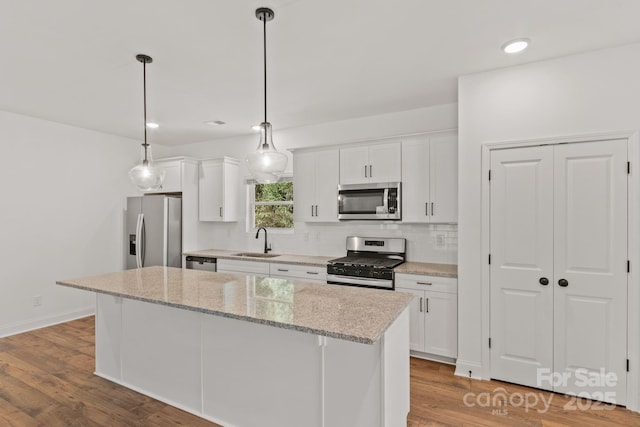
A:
x: 369, y: 201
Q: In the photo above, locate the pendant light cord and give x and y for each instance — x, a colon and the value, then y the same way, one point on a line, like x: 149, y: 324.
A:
x: 264, y: 38
x: 144, y: 83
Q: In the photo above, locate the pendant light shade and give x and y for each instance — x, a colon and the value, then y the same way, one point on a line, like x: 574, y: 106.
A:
x: 266, y: 164
x: 145, y: 176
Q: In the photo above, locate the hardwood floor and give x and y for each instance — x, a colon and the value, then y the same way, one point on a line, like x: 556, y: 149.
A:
x: 46, y: 379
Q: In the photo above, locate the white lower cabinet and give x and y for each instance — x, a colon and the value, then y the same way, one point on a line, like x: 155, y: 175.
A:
x: 433, y: 313
x: 309, y: 273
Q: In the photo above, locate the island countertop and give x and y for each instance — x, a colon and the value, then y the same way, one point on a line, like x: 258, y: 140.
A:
x: 344, y: 312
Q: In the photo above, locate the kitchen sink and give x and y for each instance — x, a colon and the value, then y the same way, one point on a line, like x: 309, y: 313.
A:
x: 256, y: 255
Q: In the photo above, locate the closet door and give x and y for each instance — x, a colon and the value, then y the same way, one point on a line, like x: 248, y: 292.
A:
x: 521, y: 259
x: 590, y: 268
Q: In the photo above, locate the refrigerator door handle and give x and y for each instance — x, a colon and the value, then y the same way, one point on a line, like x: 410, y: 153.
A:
x: 144, y: 240
x: 138, y: 241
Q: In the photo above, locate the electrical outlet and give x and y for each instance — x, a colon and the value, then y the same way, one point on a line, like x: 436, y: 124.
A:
x: 37, y: 301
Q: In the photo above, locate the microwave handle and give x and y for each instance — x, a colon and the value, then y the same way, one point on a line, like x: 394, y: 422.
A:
x: 386, y: 200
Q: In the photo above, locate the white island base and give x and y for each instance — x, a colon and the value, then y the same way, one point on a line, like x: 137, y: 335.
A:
x: 239, y: 373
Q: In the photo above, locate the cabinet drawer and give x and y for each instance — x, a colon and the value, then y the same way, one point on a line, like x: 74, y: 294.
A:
x: 311, y: 272
x: 241, y: 266
x: 427, y: 283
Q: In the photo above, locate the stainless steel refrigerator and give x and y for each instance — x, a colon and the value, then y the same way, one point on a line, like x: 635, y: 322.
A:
x: 154, y: 231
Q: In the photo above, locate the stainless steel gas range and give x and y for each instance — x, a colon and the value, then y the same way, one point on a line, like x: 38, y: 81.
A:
x: 369, y: 262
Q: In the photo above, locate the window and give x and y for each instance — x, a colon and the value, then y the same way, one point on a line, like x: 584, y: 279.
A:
x: 271, y: 205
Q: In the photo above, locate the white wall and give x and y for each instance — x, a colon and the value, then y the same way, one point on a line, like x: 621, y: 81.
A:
x: 62, y: 208
x: 591, y: 93
x: 329, y: 239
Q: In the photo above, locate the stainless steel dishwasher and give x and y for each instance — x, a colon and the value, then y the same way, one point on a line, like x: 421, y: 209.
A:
x: 201, y: 263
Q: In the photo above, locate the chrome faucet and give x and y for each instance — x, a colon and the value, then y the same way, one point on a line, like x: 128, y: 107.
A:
x: 266, y: 248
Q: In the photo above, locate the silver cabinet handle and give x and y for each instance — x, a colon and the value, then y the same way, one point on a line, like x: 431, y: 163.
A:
x: 282, y: 269
x: 424, y: 283
x: 316, y: 210
x: 427, y: 310
x: 370, y: 171
x: 311, y: 210
x: 365, y: 171
x: 420, y: 304
x: 220, y: 211
x: 426, y: 209
x: 312, y: 272
x: 431, y: 208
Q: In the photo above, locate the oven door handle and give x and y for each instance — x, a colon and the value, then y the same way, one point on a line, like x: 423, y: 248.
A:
x: 385, y: 199
x: 364, y: 281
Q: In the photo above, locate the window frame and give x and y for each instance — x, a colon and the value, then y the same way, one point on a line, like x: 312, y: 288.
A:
x: 251, y: 204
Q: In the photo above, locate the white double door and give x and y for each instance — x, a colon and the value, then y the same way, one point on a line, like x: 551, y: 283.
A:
x: 558, y: 237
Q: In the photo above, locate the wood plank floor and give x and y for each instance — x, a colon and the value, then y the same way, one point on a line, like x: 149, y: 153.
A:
x: 46, y: 379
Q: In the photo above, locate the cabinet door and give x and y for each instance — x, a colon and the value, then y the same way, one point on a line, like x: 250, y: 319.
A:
x: 230, y: 193
x: 353, y: 161
x: 416, y: 319
x: 210, y: 195
x: 415, y: 180
x: 441, y: 324
x: 443, y: 178
x: 172, y: 182
x: 326, y: 189
x: 304, y: 176
x: 385, y: 162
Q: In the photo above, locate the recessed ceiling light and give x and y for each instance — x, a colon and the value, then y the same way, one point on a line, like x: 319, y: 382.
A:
x: 256, y: 128
x: 214, y: 122
x: 515, y: 46
x: 152, y: 125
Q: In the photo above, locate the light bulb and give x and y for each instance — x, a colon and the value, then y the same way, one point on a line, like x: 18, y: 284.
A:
x: 147, y: 177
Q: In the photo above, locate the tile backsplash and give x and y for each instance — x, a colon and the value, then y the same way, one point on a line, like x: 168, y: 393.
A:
x: 437, y: 243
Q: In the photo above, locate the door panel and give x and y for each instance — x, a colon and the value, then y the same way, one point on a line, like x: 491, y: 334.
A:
x: 521, y: 254
x: 443, y: 182
x: 326, y: 185
x: 155, y: 228
x: 416, y: 319
x: 385, y: 162
x: 591, y: 255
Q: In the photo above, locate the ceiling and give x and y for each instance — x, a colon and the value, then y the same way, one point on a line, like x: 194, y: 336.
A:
x: 73, y: 61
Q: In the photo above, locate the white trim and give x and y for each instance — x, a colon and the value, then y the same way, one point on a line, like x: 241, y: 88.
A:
x: 351, y: 142
x: 30, y: 325
x: 468, y: 370
x: 633, y: 279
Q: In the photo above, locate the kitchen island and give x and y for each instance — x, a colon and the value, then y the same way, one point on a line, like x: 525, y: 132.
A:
x: 244, y: 350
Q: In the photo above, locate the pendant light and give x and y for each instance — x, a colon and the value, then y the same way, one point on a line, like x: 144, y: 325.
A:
x: 145, y: 176
x: 266, y: 164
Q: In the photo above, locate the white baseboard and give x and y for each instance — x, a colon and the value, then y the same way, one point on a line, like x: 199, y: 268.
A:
x: 30, y: 325
x: 433, y: 357
x: 469, y: 370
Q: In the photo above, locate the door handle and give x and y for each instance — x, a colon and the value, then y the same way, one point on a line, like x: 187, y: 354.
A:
x: 427, y: 304
x: 311, y: 210
x: 370, y: 171
x: 365, y: 171
x: 220, y: 211
x: 432, y: 209
x: 563, y: 283
x: 139, y: 241
x: 544, y: 281
x: 420, y: 304
x: 143, y: 234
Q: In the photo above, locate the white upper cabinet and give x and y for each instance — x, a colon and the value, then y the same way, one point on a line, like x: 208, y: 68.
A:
x: 172, y: 182
x: 430, y: 178
x: 218, y: 190
x: 371, y: 163
x: 315, y: 175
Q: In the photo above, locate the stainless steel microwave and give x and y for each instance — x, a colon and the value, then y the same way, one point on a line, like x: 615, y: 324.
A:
x: 369, y: 201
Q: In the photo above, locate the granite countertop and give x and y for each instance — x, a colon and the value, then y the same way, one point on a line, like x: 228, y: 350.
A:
x: 318, y: 261
x: 344, y: 312
x: 426, y: 268
x: 429, y: 269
